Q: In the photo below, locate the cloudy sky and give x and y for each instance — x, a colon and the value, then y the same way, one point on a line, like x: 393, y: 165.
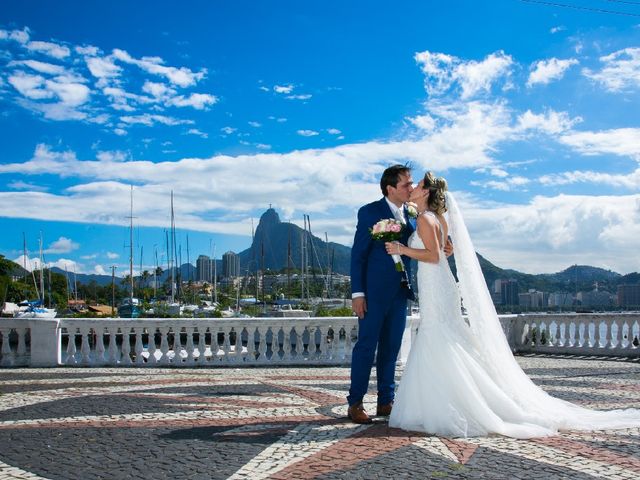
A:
x: 529, y: 109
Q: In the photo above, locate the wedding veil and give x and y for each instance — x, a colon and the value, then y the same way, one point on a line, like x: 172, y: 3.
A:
x: 493, y: 351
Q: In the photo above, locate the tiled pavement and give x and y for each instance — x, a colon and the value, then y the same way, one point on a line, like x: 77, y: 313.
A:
x: 283, y: 423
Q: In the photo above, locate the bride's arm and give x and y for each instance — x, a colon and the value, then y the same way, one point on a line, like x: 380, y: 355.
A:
x: 428, y: 231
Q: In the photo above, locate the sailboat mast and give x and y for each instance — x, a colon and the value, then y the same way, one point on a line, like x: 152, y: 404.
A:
x: 131, y: 249
x: 172, y: 253
x: 41, y: 274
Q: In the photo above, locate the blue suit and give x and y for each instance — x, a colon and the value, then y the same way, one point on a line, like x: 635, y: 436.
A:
x: 373, y: 272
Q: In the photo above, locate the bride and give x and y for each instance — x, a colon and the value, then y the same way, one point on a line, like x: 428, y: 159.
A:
x: 461, y: 379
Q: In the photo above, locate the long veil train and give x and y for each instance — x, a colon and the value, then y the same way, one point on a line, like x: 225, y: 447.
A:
x: 495, y: 354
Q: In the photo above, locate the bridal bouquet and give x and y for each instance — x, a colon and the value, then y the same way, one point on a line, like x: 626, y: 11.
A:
x: 389, y: 230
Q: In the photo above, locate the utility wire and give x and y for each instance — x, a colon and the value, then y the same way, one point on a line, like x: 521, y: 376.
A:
x: 578, y: 7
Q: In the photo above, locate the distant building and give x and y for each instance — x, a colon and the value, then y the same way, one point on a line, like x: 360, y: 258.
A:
x: 533, y: 299
x: 506, y: 291
x: 230, y: 265
x: 594, y: 299
x: 629, y: 295
x: 204, y: 269
x: 560, y: 299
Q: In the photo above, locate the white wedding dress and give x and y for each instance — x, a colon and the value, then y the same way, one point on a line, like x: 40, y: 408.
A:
x: 461, y: 379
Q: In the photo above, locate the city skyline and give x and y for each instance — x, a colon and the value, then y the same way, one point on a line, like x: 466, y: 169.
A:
x: 527, y: 109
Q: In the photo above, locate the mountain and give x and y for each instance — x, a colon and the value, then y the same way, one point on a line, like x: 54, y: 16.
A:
x: 271, y: 243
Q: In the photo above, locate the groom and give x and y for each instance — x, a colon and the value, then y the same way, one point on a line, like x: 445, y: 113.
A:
x: 379, y: 299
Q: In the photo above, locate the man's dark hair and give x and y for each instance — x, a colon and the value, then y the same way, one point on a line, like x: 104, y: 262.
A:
x: 391, y: 176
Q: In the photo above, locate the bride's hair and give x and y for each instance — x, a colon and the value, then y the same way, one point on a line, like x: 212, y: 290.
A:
x: 437, y: 186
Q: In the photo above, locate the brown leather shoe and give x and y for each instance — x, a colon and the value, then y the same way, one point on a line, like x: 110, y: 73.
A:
x: 357, y: 414
x: 384, y: 410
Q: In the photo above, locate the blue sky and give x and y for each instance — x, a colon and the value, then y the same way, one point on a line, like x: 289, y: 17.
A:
x: 529, y: 110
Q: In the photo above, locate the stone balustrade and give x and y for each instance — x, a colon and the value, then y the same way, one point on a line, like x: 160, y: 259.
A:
x: 276, y: 341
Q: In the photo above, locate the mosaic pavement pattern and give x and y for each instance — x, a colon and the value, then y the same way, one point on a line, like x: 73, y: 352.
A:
x: 283, y: 423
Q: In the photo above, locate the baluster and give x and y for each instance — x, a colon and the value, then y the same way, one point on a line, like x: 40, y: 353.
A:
x: 596, y: 334
x: 299, y: 344
x: 312, y: 348
x: 99, y: 359
x: 71, y: 346
x: 85, y: 348
x: 190, y: 331
x: 7, y: 354
x: 202, y: 345
x: 138, y: 348
x: 561, y: 336
x: 126, y: 346
x: 617, y: 338
x: 634, y: 334
x: 572, y: 331
x: 331, y: 343
x: 586, y: 334
x: 177, y: 346
x: 215, y: 344
x: 22, y: 346
x: 343, y: 344
x: 286, y: 344
x: 324, y: 342
x: 226, y: 344
x: 250, y: 357
x: 113, y: 345
x: 164, y: 345
x: 262, y: 346
x: 151, y: 345
x: 349, y: 344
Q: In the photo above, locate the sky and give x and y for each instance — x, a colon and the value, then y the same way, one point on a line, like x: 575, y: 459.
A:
x: 529, y: 109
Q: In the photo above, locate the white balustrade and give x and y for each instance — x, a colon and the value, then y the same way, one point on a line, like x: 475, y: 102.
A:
x: 276, y: 341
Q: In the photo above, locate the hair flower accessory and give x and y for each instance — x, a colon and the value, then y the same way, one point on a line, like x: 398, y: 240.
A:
x: 412, y: 209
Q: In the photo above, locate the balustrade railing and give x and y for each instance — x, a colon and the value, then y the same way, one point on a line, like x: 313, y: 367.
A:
x: 276, y: 341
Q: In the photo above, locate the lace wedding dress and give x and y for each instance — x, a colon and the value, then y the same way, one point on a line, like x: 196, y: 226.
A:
x: 461, y: 379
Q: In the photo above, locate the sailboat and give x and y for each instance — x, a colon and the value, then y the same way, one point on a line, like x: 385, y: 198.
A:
x: 130, y: 306
x: 36, y: 308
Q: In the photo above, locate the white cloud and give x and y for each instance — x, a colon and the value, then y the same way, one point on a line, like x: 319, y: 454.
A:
x: 199, y: 101
x: 20, y: 36
x: 255, y: 124
x: 182, y: 77
x: 41, y: 67
x: 48, y: 48
x: 103, y: 67
x: 31, y: 86
x: 565, y: 229
x: 423, y: 122
x: 99, y: 270
x: 283, y: 88
x: 112, y: 256
x: 228, y: 130
x: 620, y: 141
x: 630, y: 181
x: 333, y: 131
x: 150, y: 120
x: 263, y: 146
x: 303, y: 96
x: 506, y: 185
x: 621, y: 70
x: 557, y: 29
x: 550, y: 122
x: 307, y: 133
x: 62, y: 245
x: 195, y: 131
x: 443, y: 72
x: 544, y: 71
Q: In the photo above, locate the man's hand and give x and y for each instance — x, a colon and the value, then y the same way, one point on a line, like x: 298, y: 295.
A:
x: 448, y: 248
x: 359, y: 306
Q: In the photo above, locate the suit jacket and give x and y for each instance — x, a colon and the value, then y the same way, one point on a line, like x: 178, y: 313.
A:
x: 372, y: 268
